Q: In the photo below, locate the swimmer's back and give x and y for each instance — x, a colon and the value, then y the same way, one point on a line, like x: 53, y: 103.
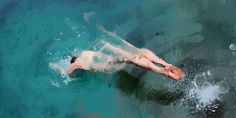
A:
x: 85, y: 59
x: 91, y: 59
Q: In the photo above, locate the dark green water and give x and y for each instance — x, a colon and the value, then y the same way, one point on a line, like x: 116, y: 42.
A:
x: 192, y: 34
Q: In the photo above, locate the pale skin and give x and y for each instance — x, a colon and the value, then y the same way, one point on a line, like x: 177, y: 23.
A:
x: 147, y: 59
x: 85, y: 61
x: 144, y: 59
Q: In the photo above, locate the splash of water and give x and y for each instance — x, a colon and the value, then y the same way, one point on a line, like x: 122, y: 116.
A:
x: 205, y: 93
x: 61, y: 67
x: 232, y: 47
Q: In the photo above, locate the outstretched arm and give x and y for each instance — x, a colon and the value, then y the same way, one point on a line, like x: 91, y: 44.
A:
x: 71, y: 68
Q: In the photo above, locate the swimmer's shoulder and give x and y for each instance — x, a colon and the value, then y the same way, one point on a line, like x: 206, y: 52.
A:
x: 87, y: 53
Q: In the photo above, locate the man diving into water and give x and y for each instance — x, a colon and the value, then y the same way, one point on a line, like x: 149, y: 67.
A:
x: 144, y: 59
x: 122, y: 53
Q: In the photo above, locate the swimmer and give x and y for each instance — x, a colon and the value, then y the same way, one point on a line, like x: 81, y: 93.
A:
x: 144, y: 59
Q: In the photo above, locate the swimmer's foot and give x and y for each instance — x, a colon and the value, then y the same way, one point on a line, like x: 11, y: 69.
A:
x: 173, y: 76
x: 174, y: 72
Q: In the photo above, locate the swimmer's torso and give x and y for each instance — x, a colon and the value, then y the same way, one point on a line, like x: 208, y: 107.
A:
x: 90, y: 60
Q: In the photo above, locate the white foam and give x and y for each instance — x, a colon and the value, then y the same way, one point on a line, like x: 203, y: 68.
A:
x: 232, y: 47
x: 208, y: 94
x: 61, y: 67
x: 205, y: 93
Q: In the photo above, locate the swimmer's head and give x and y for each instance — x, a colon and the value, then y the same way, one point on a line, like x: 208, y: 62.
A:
x: 73, y: 59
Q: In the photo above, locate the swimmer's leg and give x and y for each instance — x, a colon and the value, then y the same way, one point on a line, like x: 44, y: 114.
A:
x: 151, y: 66
x: 164, y: 71
x: 153, y: 57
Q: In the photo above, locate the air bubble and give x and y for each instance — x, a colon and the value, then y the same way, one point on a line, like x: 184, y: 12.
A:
x: 232, y: 47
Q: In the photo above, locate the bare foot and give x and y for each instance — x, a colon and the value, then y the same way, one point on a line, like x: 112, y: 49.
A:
x: 175, y: 70
x: 170, y: 74
x: 173, y: 76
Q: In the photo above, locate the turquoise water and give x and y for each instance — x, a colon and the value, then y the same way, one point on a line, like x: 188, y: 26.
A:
x: 197, y: 36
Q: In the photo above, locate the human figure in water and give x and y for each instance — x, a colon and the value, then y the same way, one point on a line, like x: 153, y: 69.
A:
x: 144, y: 59
x: 122, y: 53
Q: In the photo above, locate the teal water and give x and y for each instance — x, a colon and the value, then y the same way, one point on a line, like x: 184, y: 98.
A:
x: 196, y: 35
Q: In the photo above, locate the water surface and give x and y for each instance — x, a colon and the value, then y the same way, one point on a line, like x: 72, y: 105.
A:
x: 197, y: 36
